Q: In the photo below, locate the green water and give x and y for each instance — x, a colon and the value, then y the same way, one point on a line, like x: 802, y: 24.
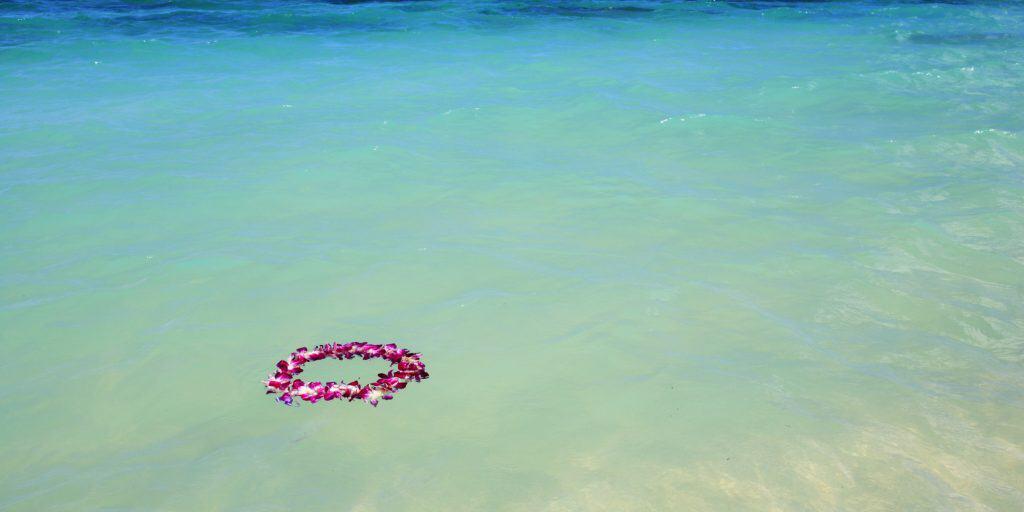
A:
x: 677, y: 256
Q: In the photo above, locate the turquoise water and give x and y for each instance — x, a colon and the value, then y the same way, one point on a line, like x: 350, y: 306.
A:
x: 657, y: 255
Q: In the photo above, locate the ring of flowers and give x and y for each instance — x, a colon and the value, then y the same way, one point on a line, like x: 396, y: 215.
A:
x: 409, y: 368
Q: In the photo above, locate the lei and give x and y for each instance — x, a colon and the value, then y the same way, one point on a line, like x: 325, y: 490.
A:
x: 408, y: 368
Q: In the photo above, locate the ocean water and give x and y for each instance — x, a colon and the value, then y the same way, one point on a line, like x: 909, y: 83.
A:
x: 657, y: 255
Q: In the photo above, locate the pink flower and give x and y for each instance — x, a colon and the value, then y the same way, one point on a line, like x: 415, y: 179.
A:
x: 351, y: 390
x: 289, y: 366
x: 309, y: 392
x: 393, y: 353
x: 371, y: 351
x: 390, y: 381
x: 374, y: 395
x: 280, y: 381
x: 335, y: 350
x: 299, y: 356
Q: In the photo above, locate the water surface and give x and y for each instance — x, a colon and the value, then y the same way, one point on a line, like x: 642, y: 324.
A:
x: 657, y: 255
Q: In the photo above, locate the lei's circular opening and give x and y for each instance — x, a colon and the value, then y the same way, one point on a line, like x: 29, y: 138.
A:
x: 283, y: 382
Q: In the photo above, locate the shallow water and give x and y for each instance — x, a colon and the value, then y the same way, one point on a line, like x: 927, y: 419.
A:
x: 657, y: 255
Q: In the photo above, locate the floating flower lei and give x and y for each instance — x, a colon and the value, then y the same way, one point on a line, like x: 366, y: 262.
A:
x: 408, y: 368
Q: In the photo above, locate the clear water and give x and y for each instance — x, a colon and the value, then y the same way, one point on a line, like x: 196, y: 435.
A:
x: 657, y: 255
